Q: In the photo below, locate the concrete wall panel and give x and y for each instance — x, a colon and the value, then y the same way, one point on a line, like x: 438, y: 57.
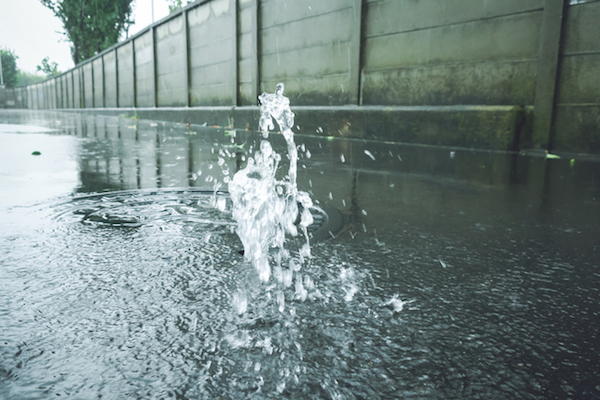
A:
x: 30, y: 96
x: 310, y: 51
x: 211, y: 53
x: 125, y: 71
x: 98, y: 83
x: 277, y: 12
x: 77, y: 88
x: 88, y: 80
x: 245, y: 46
x: 579, y: 81
x: 317, y: 31
x: 170, y: 63
x: 63, y: 89
x: 506, y: 7
x: 247, y: 59
x: 325, y: 90
x: 577, y: 129
x: 110, y: 79
x: 245, y: 72
x: 307, y: 62
x: 69, y: 89
x: 219, y: 91
x: 395, y: 16
x: 212, y: 59
x: 246, y: 93
x: 507, y: 38
x: 582, y: 29
x: 499, y: 83
x: 144, y: 70
x: 245, y: 18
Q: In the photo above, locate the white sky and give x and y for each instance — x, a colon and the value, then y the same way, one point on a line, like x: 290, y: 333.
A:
x: 30, y: 30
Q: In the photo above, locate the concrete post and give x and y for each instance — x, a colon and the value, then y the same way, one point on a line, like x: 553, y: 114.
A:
x: 103, y: 85
x: 72, y: 89
x: 63, y: 92
x: 235, y: 93
x: 55, y: 85
x: 355, y: 53
x: 82, y: 88
x: 2, y: 93
x: 255, y: 65
x: 547, y: 73
x: 43, y: 91
x: 155, y: 78
x: 47, y: 104
x: 93, y: 85
x: 134, y: 73
x: 59, y: 91
x: 117, y: 75
x: 186, y: 56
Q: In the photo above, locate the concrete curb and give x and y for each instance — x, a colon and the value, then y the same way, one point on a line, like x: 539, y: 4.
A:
x: 484, y: 127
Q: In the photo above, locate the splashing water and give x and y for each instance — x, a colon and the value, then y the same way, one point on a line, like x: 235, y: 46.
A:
x: 265, y: 208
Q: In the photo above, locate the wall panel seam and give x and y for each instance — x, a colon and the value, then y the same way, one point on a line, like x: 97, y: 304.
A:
x: 431, y: 65
x: 454, y: 24
x: 268, y: 27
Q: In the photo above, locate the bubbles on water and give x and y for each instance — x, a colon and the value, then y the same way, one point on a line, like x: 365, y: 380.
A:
x: 395, y: 304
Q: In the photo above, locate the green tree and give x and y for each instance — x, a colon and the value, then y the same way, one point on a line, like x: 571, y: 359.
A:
x: 91, y: 25
x: 175, y: 5
x: 48, y: 68
x: 9, y: 68
x: 26, y: 78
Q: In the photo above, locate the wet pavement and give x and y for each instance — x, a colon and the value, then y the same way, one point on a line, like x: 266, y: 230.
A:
x: 458, y: 273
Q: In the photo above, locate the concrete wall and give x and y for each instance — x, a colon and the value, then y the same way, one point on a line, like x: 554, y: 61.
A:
x: 308, y: 45
x: 212, y: 54
x: 444, y: 52
x: 52, y: 94
x: 98, y: 82
x: 12, y: 97
x: 126, y: 76
x: 111, y: 98
x: 68, y: 86
x: 577, y: 120
x: 247, y: 52
x: 88, y: 85
x: 77, y: 88
x: 362, y: 53
x: 171, y: 51
x: 144, y: 70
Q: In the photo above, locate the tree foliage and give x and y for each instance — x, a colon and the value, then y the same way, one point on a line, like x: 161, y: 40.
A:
x: 10, y: 72
x: 91, y: 25
x: 26, y: 78
x: 49, y: 68
x: 175, y: 5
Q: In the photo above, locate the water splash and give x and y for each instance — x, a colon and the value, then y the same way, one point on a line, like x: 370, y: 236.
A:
x: 265, y: 208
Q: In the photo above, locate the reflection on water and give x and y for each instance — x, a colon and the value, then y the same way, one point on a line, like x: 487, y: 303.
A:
x: 493, y: 257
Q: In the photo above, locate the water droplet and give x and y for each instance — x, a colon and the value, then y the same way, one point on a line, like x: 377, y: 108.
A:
x: 240, y: 302
x: 368, y: 153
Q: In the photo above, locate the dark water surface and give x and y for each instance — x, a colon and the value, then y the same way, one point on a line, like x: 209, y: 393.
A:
x: 458, y: 274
